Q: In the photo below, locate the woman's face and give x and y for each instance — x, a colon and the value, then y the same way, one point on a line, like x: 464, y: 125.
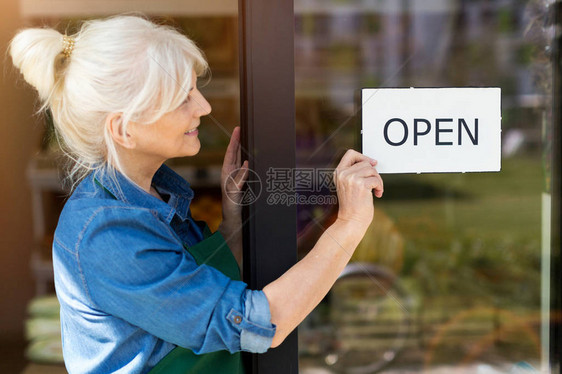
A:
x: 175, y: 134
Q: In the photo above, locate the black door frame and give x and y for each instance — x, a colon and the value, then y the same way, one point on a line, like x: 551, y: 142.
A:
x: 267, y: 113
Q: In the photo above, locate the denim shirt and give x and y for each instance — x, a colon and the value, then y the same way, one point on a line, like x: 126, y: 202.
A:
x: 128, y: 289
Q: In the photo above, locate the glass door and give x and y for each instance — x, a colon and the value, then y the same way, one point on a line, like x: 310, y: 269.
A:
x: 454, y: 273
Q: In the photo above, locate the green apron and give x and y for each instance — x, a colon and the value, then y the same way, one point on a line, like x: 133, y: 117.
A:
x: 214, y: 252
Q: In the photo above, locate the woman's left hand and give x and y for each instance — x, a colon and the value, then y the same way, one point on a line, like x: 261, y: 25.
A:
x: 233, y: 177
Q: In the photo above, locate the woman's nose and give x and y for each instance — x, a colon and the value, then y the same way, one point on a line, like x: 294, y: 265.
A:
x: 204, y: 106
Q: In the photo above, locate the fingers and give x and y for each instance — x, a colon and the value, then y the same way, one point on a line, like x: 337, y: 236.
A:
x: 232, y: 156
x: 237, y: 134
x: 370, y: 180
x: 365, y: 174
x: 376, y: 184
x: 363, y: 167
x: 351, y: 157
x: 238, y: 154
x: 242, y: 174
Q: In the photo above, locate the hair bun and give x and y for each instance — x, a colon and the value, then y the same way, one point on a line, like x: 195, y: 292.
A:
x: 35, y: 52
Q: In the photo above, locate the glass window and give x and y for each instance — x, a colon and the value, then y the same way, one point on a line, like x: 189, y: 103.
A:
x: 448, y: 277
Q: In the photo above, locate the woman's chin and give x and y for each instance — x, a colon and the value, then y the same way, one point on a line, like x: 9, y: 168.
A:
x: 194, y: 151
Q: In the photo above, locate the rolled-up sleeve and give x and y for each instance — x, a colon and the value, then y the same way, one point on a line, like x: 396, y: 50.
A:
x: 256, y: 330
x: 134, y: 267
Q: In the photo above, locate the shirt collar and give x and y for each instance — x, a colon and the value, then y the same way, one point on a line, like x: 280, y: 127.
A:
x: 165, y: 180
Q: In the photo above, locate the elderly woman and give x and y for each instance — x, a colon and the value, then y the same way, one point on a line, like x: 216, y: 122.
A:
x: 143, y: 287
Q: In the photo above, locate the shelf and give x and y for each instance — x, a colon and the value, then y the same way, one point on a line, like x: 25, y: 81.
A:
x: 524, y: 101
x: 43, y: 173
x: 35, y: 368
x: 346, y: 8
x: 223, y: 87
x: 89, y: 8
x: 209, y: 176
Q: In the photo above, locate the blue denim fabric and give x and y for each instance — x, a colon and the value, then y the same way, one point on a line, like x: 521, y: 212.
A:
x: 130, y: 292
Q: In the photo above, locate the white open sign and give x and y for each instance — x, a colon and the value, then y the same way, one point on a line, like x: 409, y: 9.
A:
x: 426, y: 130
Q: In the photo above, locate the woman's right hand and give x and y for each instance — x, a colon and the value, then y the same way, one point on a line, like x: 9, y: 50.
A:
x: 355, y: 179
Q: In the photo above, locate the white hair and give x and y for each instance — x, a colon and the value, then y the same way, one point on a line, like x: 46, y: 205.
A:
x: 121, y: 64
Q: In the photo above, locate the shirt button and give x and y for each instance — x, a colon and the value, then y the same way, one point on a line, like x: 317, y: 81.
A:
x: 237, y: 319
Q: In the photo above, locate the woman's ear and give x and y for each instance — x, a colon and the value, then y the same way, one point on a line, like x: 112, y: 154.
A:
x: 114, y: 124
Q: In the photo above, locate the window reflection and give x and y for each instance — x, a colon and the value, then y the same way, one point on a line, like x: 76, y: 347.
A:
x: 448, y: 277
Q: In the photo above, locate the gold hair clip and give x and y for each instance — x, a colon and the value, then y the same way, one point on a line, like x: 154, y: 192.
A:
x: 68, y: 44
